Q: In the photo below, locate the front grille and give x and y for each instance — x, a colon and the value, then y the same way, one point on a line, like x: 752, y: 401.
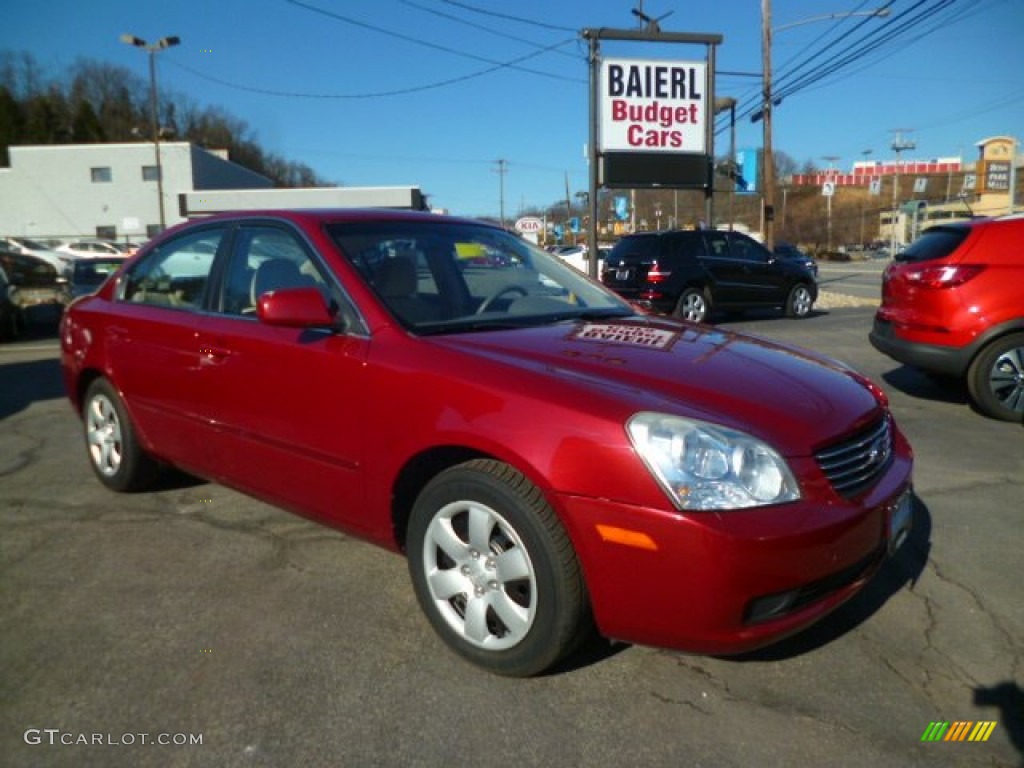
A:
x: 855, y: 463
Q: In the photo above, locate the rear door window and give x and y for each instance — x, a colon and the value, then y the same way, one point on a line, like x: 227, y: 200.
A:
x: 175, y: 273
x: 686, y: 246
x: 718, y: 245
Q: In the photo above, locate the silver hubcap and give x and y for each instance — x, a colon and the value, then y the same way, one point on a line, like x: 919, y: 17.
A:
x: 1006, y: 379
x: 480, y: 575
x: 694, y: 308
x: 802, y: 302
x: 103, y: 434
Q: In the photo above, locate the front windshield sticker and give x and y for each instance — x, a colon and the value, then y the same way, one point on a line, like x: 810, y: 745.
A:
x: 634, y: 335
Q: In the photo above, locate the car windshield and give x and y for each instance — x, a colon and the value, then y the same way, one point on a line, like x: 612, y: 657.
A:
x: 441, y: 277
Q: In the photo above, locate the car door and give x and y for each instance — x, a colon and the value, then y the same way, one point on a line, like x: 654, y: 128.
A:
x: 760, y: 278
x: 727, y: 273
x: 286, y: 407
x: 150, y: 341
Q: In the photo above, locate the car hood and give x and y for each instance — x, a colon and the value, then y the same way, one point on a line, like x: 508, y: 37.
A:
x: 797, y: 400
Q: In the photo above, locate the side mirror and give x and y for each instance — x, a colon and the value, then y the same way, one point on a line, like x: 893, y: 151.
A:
x: 295, y: 308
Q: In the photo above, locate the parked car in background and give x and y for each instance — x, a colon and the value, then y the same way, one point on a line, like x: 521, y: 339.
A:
x: 578, y: 256
x: 547, y: 458
x: 89, y: 274
x: 953, y: 305
x: 91, y: 249
x: 690, y: 273
x: 791, y: 252
x: 29, y: 282
x: 60, y: 260
x: 11, y: 319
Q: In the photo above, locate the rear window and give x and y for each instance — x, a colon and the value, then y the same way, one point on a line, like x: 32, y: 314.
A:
x: 934, y: 243
x: 630, y: 250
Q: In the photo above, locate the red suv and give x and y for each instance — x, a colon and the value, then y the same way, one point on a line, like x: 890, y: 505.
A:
x: 953, y: 305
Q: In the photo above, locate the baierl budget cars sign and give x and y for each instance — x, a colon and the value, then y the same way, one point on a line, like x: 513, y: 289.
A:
x: 653, y: 106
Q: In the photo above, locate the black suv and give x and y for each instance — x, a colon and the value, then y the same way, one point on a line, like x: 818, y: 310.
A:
x: 689, y: 273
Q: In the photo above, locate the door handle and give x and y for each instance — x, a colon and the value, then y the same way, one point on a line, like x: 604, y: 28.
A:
x: 213, y: 353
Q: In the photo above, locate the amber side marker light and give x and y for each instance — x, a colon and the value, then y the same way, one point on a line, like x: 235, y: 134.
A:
x: 625, y: 536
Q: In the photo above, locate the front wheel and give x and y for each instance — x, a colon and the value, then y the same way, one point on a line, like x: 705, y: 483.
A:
x: 996, y: 378
x: 799, y: 301
x: 114, y: 451
x: 494, y: 570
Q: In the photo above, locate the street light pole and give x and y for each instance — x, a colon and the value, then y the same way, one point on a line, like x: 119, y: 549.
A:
x: 159, y: 45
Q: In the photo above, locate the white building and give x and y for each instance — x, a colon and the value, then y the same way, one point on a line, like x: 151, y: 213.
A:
x: 107, y: 190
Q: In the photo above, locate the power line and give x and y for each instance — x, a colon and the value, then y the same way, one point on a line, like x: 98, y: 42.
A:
x: 856, y: 51
x: 364, y: 95
x: 508, y: 17
x: 796, y: 77
x: 481, y: 27
x: 434, y: 46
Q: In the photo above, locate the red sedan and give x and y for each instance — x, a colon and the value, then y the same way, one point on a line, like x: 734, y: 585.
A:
x: 548, y: 460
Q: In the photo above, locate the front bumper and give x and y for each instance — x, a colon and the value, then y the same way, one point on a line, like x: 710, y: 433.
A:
x: 731, y: 582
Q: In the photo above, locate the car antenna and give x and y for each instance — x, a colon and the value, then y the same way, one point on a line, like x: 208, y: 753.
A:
x: 963, y: 199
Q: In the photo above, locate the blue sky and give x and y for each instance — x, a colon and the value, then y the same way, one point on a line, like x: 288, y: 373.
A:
x: 434, y: 92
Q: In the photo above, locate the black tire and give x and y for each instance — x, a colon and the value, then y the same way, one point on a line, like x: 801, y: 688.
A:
x: 693, y: 305
x: 800, y: 301
x: 996, y: 379
x: 114, y: 451
x: 494, y: 570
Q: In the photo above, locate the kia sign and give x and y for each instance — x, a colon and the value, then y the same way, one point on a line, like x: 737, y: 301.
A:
x: 653, y: 106
x: 529, y: 225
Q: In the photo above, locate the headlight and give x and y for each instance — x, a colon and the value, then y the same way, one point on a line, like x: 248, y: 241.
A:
x: 704, y: 466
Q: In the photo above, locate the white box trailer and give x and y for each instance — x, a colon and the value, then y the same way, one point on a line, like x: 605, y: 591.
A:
x: 209, y: 201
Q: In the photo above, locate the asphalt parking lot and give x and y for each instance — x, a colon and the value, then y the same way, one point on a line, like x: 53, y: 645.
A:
x: 191, y: 613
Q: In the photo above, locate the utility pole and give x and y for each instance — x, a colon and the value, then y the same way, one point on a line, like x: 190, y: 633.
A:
x: 768, y: 156
x: 899, y: 144
x: 865, y: 152
x: 501, y: 170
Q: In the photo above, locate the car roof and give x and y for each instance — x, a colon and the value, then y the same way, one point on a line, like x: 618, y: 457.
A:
x: 316, y: 216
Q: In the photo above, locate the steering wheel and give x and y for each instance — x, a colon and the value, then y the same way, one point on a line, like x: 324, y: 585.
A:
x: 485, y: 305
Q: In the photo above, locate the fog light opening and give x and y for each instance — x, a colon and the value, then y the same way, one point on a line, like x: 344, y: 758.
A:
x: 770, y: 607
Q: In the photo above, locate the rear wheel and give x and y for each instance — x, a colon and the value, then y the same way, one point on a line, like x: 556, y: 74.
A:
x: 693, y: 305
x: 114, y: 452
x: 799, y: 301
x: 996, y: 378
x: 494, y: 570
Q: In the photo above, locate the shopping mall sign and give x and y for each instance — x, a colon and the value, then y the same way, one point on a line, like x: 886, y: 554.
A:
x: 653, y: 106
